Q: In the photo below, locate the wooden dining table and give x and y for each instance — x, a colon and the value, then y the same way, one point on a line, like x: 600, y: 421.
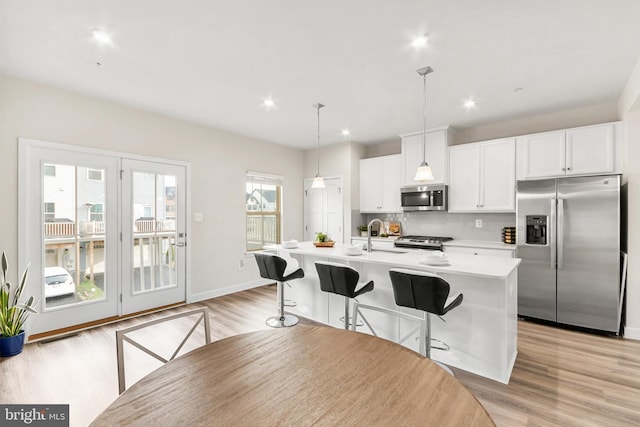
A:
x: 305, y: 375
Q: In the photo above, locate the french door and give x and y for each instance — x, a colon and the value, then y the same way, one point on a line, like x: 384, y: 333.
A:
x: 153, y: 215
x: 103, y: 234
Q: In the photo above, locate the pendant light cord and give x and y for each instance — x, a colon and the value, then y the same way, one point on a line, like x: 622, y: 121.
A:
x: 318, y: 156
x: 424, y: 120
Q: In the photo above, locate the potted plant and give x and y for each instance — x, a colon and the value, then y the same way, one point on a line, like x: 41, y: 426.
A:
x: 363, y: 230
x: 13, y: 313
x: 323, y: 240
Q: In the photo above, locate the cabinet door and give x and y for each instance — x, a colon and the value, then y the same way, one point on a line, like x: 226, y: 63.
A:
x: 391, y: 183
x: 370, y: 193
x: 436, y: 156
x: 498, y: 175
x: 464, y: 170
x: 541, y: 155
x: 591, y: 150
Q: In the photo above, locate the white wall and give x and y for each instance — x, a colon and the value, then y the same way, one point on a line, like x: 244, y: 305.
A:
x: 629, y: 107
x: 219, y: 161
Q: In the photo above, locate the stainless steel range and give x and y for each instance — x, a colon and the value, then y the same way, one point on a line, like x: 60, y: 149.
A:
x: 421, y: 242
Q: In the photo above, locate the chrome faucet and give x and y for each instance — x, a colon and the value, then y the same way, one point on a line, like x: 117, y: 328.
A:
x: 369, y: 231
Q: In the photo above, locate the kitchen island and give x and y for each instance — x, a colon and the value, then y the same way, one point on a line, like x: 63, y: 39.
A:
x: 481, y: 332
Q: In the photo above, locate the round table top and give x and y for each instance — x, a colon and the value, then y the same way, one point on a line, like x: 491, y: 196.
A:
x: 297, y: 376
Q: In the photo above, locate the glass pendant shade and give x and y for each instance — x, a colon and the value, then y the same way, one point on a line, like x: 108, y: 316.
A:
x: 424, y: 173
x: 318, y: 182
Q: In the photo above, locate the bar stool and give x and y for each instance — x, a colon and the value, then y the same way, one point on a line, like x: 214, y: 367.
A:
x: 342, y: 280
x: 423, y: 291
x: 273, y: 267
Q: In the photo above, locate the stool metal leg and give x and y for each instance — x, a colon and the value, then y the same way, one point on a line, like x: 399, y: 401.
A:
x: 282, y: 320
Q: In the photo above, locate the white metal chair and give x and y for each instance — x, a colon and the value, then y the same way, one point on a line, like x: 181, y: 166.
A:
x: 121, y: 337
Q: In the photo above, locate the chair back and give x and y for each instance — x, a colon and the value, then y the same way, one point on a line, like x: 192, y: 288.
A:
x: 420, y: 290
x: 122, y: 337
x: 337, y: 278
x: 271, y: 266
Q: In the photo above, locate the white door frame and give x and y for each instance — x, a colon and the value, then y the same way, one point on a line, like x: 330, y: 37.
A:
x: 25, y: 145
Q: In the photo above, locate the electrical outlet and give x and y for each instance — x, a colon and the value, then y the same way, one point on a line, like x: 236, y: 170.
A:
x: 199, y: 217
x: 241, y: 264
x: 478, y: 223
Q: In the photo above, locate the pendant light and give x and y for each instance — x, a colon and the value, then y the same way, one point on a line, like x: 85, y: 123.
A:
x: 318, y: 181
x: 424, y: 172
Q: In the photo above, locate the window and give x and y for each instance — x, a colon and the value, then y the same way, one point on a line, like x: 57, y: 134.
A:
x: 94, y: 174
x: 96, y: 212
x: 49, y: 170
x: 49, y: 211
x: 263, y: 197
x: 147, y: 211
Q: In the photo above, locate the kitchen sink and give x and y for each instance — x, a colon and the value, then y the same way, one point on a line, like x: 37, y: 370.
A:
x: 390, y: 250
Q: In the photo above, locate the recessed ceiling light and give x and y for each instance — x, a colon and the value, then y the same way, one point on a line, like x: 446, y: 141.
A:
x: 469, y: 103
x: 345, y: 132
x: 101, y: 37
x: 420, y: 41
x: 269, y: 103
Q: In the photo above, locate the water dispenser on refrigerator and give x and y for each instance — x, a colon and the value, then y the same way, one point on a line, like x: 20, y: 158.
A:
x: 536, y: 230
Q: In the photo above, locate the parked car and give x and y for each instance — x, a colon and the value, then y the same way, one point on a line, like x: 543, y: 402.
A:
x: 58, y: 282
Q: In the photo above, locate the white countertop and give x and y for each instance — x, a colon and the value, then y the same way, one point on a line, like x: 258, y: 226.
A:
x: 488, y: 244
x: 464, y: 264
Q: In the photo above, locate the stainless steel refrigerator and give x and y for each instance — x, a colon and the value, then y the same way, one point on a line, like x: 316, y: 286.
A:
x: 568, y: 237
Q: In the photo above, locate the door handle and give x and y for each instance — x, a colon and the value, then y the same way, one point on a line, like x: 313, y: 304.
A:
x: 552, y: 234
x: 560, y: 236
x: 179, y: 244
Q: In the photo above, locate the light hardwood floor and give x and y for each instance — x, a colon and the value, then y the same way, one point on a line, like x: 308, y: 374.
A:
x: 561, y: 377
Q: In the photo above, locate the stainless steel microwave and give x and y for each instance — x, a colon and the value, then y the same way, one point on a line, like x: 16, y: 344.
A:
x: 424, y: 198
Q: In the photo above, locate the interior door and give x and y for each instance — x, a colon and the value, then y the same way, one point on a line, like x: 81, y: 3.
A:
x: 323, y: 210
x: 68, y: 233
x: 153, y: 235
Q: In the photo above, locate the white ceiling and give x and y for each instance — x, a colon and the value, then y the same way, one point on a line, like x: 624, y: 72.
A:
x: 213, y: 61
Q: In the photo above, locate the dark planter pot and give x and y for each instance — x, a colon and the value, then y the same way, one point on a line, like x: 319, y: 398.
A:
x: 10, y: 346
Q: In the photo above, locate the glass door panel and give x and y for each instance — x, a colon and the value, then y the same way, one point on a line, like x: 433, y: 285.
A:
x: 69, y: 234
x: 74, y: 234
x: 154, y: 208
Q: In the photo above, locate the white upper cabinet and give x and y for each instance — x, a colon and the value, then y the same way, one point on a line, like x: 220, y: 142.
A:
x: 587, y: 150
x: 482, y: 176
x: 436, y: 155
x: 380, y: 182
x: 591, y: 150
x: 464, y: 173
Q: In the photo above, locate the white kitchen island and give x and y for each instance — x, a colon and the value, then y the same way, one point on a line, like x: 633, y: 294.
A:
x: 482, y: 331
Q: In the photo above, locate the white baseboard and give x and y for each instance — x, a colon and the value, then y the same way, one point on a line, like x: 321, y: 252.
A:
x: 632, y: 333
x: 228, y: 290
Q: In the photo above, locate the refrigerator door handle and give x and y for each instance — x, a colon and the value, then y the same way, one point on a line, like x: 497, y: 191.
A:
x: 560, y: 236
x: 552, y: 234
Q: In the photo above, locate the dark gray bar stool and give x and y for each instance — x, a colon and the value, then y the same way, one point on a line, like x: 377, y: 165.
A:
x: 423, y: 291
x: 273, y: 267
x: 342, y: 280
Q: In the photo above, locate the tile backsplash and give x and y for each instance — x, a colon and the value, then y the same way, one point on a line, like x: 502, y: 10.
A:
x: 457, y: 225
